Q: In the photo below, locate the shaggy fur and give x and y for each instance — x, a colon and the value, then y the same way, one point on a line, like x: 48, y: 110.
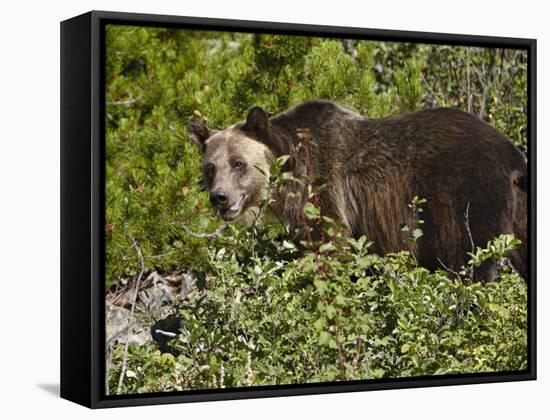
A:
x: 374, y: 167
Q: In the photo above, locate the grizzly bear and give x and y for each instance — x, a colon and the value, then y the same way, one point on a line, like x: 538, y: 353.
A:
x: 473, y: 177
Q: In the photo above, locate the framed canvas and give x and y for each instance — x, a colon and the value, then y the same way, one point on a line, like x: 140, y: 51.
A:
x: 255, y: 209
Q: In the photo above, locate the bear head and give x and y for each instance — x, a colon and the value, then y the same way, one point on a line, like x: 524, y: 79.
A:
x: 230, y: 159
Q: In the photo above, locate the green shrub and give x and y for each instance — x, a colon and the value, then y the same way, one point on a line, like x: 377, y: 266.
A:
x: 270, y: 313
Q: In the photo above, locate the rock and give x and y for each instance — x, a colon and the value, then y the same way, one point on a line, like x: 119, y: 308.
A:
x: 119, y: 328
x: 154, y: 316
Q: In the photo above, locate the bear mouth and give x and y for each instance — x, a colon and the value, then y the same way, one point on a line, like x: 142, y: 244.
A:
x: 232, y: 212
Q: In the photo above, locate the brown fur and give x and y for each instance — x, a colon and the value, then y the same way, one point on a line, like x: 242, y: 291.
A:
x: 474, y: 179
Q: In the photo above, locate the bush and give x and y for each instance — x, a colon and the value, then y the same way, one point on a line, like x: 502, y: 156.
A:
x: 270, y: 313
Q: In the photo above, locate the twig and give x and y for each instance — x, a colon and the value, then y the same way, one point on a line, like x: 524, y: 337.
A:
x: 447, y: 268
x: 429, y: 318
x: 358, y: 346
x: 488, y: 75
x: 286, y: 229
x: 162, y: 255
x: 214, y: 234
x: 130, y: 317
x: 367, y: 364
x: 431, y: 91
x: 468, y: 82
x: 341, y: 363
x: 467, y: 216
x: 108, y: 361
x: 125, y: 102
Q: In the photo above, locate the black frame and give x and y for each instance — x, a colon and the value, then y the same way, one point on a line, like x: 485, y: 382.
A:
x: 83, y: 207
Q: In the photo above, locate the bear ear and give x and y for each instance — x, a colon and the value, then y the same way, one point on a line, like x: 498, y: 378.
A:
x: 199, y: 133
x: 257, y: 122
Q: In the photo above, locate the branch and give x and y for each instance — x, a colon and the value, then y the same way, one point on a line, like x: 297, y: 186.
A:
x: 214, y: 234
x: 131, y: 317
x: 125, y: 102
x: 467, y: 223
x: 488, y: 76
x: 108, y: 362
x: 467, y: 217
x: 468, y: 83
x: 447, y: 268
x: 358, y: 343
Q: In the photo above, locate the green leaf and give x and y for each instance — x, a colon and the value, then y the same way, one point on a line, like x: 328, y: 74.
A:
x: 330, y: 311
x: 327, y: 247
x: 288, y: 245
x: 281, y: 160
x: 324, y: 338
x: 417, y: 233
x: 213, y: 361
x: 311, y: 211
x: 319, y: 324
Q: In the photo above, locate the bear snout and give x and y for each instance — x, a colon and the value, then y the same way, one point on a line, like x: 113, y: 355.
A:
x: 219, y: 197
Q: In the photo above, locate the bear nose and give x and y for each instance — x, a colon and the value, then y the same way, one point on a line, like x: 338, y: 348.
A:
x: 219, y: 197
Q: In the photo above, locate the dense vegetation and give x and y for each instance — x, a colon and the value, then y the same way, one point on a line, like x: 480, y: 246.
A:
x: 267, y: 312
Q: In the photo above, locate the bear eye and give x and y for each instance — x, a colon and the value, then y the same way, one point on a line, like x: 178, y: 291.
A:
x: 239, y: 164
x: 209, y: 168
